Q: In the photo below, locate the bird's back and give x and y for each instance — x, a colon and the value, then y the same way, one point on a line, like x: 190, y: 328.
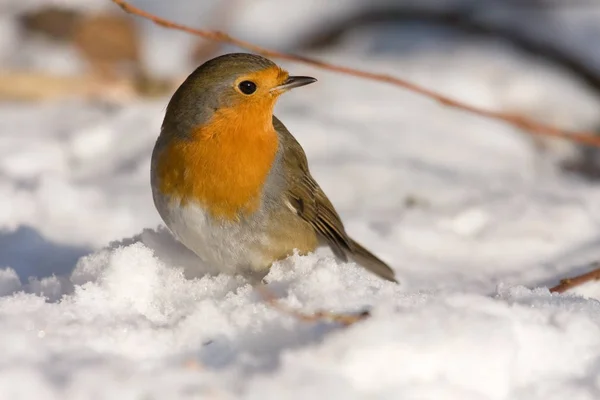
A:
x: 308, y: 201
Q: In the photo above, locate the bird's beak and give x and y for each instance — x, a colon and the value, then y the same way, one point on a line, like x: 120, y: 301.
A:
x: 293, y: 82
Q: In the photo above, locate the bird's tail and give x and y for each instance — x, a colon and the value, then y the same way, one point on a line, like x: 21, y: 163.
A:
x: 368, y: 260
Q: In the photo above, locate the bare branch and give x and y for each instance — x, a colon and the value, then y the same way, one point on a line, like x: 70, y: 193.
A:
x: 570, y: 283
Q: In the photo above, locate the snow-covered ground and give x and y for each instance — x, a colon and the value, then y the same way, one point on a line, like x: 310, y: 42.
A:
x: 98, y: 301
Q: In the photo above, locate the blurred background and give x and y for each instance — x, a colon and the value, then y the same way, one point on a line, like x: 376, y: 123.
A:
x: 83, y: 88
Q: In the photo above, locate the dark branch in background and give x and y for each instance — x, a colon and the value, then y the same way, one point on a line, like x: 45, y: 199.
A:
x: 552, y: 4
x: 538, y: 128
x: 464, y: 21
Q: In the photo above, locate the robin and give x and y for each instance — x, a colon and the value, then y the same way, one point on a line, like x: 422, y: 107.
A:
x: 232, y: 183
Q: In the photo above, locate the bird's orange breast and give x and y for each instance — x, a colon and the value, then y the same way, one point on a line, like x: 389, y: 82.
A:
x: 224, y: 165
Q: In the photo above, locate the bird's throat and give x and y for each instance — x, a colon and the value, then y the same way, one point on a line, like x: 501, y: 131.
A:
x: 224, y: 165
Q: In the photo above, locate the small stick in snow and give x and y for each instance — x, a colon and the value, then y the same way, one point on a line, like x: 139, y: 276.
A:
x: 525, y: 124
x: 343, y: 319
x: 570, y: 283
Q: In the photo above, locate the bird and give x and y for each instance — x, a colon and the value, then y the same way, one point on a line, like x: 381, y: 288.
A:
x: 231, y: 182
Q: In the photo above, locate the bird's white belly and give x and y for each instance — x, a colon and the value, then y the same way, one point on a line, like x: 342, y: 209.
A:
x: 231, y: 247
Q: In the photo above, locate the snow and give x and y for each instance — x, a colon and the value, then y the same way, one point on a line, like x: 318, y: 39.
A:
x: 97, y: 300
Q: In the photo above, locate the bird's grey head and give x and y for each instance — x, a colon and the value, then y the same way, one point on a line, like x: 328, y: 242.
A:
x: 213, y: 85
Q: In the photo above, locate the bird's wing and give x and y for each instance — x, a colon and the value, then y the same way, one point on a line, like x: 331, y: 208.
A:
x: 311, y: 204
x: 307, y: 198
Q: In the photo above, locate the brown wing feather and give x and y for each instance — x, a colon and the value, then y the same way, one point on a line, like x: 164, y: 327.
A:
x: 311, y: 204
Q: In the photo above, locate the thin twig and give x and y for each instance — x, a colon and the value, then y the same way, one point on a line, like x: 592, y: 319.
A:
x: 222, y: 16
x: 570, y: 283
x: 588, y: 138
x: 318, y: 316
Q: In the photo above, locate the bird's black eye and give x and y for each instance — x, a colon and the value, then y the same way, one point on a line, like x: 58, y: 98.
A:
x: 247, y: 87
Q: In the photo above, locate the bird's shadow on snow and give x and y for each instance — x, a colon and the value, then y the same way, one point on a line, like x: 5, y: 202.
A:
x: 261, y: 350
x: 250, y: 351
x: 255, y: 355
x: 33, y: 257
